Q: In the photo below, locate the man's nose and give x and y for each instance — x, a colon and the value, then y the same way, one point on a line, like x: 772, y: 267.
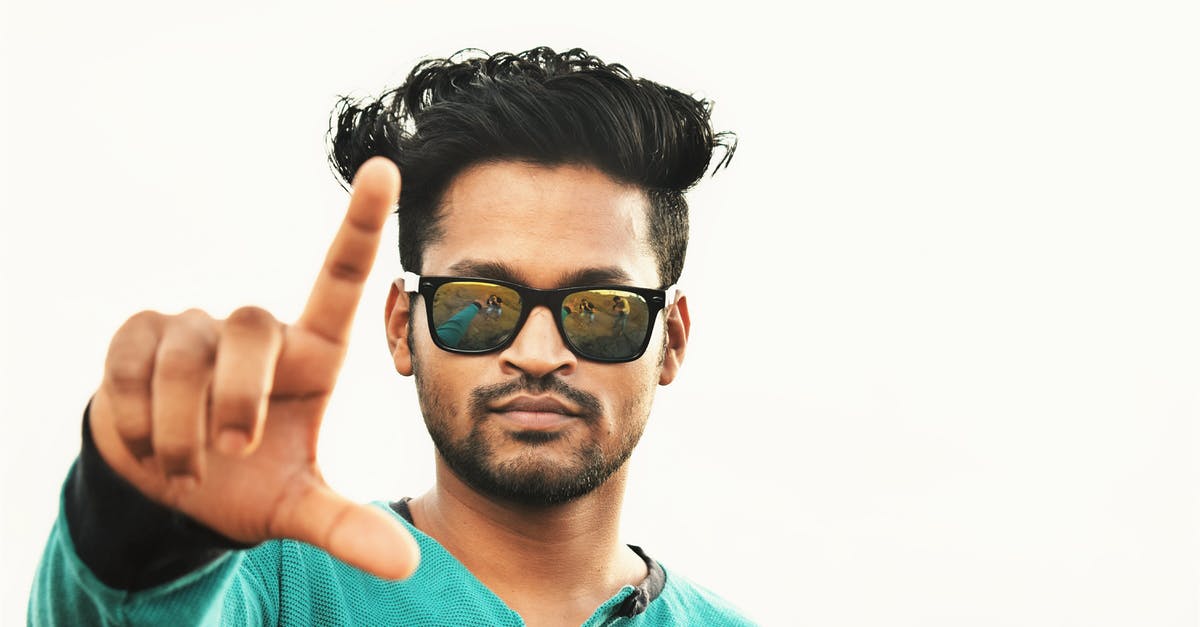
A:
x: 538, y: 349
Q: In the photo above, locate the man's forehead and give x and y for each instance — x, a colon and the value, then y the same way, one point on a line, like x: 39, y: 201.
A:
x: 542, y: 225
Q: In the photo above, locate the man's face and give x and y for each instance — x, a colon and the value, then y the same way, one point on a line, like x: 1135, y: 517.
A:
x: 495, y: 418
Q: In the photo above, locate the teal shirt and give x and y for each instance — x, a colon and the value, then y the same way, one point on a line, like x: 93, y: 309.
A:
x: 286, y: 582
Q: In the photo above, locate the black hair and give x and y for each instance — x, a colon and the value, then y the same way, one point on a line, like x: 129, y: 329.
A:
x: 537, y: 106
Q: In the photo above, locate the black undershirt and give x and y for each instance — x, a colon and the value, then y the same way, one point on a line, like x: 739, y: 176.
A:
x: 133, y: 543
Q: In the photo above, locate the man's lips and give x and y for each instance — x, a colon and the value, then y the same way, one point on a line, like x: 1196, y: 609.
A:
x: 537, y: 413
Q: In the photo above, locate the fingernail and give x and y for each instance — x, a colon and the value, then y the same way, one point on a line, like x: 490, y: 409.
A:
x: 232, y: 442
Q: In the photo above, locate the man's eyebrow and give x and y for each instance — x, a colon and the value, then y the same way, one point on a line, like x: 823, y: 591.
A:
x: 609, y: 275
x: 604, y: 275
x: 486, y: 270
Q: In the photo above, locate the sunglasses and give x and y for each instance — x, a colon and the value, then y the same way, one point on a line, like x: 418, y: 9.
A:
x: 606, y: 323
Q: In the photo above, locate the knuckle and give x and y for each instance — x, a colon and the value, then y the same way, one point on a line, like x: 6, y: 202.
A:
x: 194, y: 314
x: 144, y: 318
x: 251, y: 317
x: 138, y: 332
x: 128, y: 373
x: 195, y: 322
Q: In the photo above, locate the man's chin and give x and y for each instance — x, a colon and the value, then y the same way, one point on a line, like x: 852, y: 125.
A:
x: 533, y: 487
x: 528, y: 467
x: 540, y: 468
x: 536, y: 476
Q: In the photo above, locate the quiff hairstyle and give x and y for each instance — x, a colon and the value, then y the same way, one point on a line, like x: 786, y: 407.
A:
x: 537, y: 106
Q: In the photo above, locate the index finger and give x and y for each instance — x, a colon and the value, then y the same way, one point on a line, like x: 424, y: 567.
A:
x: 334, y: 298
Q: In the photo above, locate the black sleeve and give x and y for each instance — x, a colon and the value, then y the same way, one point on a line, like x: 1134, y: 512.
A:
x: 128, y: 541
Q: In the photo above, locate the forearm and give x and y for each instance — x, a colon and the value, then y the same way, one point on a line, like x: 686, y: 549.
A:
x: 116, y: 557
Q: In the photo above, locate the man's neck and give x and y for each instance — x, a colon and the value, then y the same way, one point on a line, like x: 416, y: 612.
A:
x: 552, y: 564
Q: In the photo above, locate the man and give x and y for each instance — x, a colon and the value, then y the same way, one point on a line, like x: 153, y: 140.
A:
x: 620, y: 308
x: 495, y: 306
x: 587, y: 310
x: 197, y: 474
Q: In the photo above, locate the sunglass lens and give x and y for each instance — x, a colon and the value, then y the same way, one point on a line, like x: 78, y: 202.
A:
x: 475, y: 316
x: 606, y: 324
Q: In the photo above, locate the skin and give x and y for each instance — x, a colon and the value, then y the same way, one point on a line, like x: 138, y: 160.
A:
x: 545, y: 227
x: 219, y: 418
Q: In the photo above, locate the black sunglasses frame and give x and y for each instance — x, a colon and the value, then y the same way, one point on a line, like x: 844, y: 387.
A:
x: 426, y: 286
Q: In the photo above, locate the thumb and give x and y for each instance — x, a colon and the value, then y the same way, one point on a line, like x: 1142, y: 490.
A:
x: 363, y: 536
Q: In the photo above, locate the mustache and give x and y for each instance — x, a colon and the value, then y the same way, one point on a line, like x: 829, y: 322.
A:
x: 481, y: 397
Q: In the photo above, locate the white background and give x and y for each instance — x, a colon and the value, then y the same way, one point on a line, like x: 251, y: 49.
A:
x: 945, y: 360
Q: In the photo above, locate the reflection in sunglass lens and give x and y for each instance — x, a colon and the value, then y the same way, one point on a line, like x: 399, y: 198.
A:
x: 475, y: 316
x: 606, y: 323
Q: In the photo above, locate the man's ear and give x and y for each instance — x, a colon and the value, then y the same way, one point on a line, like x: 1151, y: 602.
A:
x: 679, y: 324
x: 395, y: 318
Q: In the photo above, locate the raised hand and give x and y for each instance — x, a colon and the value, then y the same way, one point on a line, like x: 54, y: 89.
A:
x: 219, y: 418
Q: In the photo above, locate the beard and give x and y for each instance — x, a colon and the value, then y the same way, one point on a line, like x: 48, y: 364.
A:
x: 528, y: 478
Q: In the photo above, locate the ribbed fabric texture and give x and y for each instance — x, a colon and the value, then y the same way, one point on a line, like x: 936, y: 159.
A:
x: 284, y: 582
